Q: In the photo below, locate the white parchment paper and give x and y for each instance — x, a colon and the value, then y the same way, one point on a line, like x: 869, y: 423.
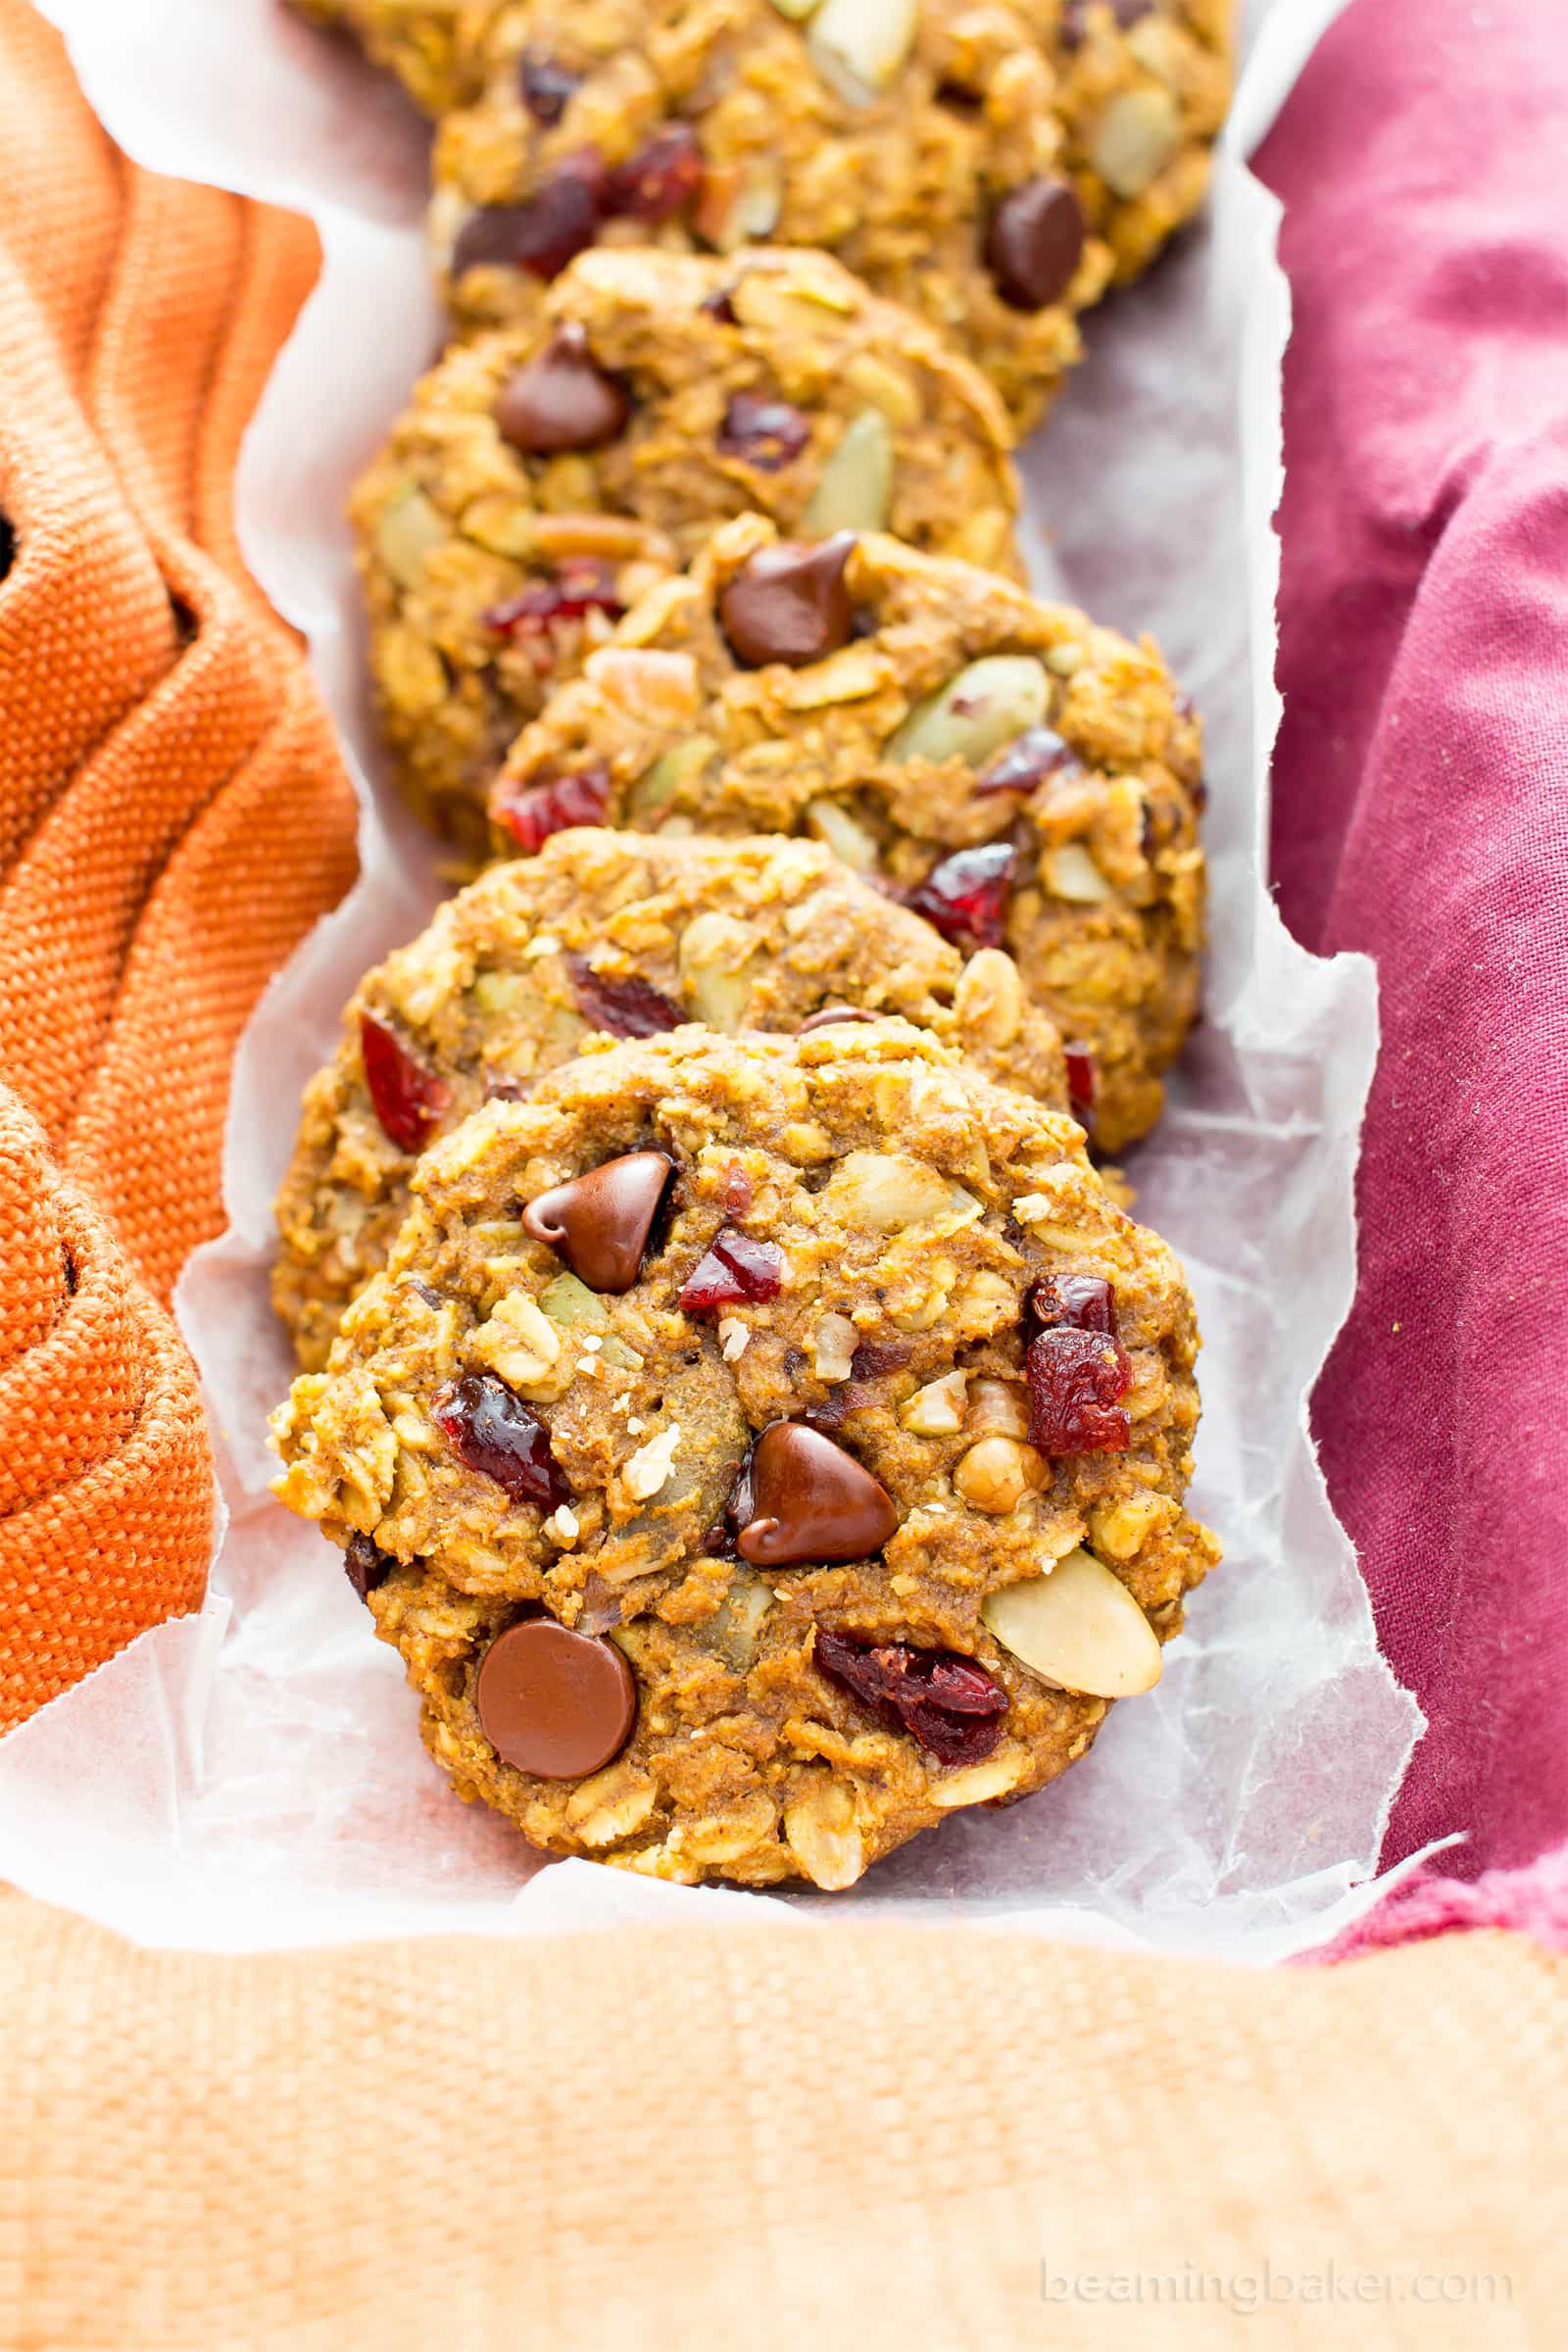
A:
x: 253, y: 1776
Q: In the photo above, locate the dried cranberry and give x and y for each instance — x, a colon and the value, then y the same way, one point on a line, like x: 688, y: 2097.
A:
x: 1083, y: 1079
x: 965, y: 896
x: 1076, y: 1378
x: 733, y: 1270
x: 661, y: 179
x: 578, y: 587
x: 407, y: 1097
x: 736, y: 1193
x: 1086, y: 1301
x: 544, y: 232
x: 531, y: 814
x: 546, y: 87
x: 367, y: 1566
x: 766, y: 434
x: 492, y: 1431
x: 872, y: 1358
x: 946, y: 1702
x: 626, y: 1006
x: 1024, y: 763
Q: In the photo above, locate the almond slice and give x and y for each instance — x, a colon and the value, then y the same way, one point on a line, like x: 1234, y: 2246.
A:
x: 1079, y: 1627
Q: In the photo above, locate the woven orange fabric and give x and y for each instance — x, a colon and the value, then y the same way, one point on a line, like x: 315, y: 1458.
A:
x: 828, y: 2138
x: 174, y: 815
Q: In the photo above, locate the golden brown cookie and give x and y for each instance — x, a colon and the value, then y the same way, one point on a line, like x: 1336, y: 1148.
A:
x: 988, y: 167
x: 543, y: 476
x: 1020, y: 776
x: 623, y: 933
x: 759, y: 1448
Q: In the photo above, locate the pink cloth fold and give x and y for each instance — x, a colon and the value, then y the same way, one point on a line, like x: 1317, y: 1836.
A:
x: 1421, y: 815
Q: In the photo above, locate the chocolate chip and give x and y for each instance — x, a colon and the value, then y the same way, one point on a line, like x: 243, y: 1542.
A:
x: 1034, y: 243
x: 789, y: 603
x: 766, y: 434
x: 812, y: 1502
x: 546, y: 87
x: 562, y: 399
x: 554, y: 1702
x: 828, y: 1014
x: 600, y: 1223
x: 367, y: 1567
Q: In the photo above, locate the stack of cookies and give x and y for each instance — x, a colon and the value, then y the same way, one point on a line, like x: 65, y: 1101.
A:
x: 728, y: 1366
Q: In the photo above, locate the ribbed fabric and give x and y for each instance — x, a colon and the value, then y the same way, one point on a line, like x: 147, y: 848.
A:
x: 174, y: 815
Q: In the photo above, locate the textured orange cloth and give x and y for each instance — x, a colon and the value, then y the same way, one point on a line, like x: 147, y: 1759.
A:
x: 815, y: 2136
x: 818, y: 2142
x: 174, y: 815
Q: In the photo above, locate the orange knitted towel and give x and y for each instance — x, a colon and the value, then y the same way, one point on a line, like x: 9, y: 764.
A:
x: 174, y: 815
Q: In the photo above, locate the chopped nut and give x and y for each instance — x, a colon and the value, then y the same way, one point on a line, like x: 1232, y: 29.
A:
x: 733, y: 1337
x: 989, y: 1000
x: 937, y: 1411
x: 997, y: 1473
x: 834, y: 1347
x: 1121, y: 1529
x: 1078, y: 1627
x: 562, y: 1525
x: 657, y: 689
x: 821, y: 1833
x: 650, y: 1468
x: 1069, y: 872
x: 518, y: 1341
x: 883, y: 1190
x: 999, y: 1408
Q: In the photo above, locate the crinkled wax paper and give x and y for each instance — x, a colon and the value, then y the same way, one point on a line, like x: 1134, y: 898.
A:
x: 253, y: 1776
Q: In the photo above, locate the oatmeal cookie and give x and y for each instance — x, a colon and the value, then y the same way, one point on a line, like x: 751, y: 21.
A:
x: 623, y: 933
x: 989, y: 166
x: 1023, y: 778
x: 1142, y: 90
x: 432, y: 46
x: 545, y: 473
x: 760, y: 1447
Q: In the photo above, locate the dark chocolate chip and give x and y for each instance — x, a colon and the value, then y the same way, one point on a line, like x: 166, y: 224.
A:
x: 766, y: 434
x: 367, y: 1566
x: 1034, y: 243
x: 562, y: 400
x: 789, y: 603
x: 812, y: 1502
x: 600, y: 1223
x: 554, y: 1702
